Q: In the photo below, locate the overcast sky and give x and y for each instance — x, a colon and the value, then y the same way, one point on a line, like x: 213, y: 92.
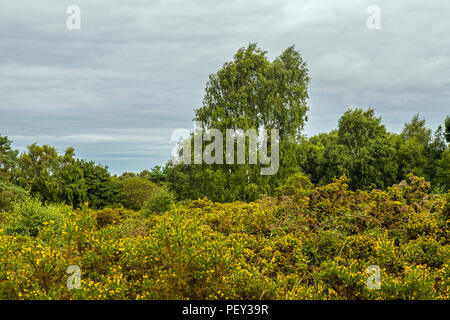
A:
x: 137, y: 69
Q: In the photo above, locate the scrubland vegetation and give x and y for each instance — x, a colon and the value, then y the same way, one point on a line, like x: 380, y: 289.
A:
x: 306, y: 243
x: 342, y: 201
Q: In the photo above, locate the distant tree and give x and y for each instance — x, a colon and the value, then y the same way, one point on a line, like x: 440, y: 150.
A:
x: 311, y: 153
x: 57, y: 178
x: 70, y: 176
x: 443, y: 171
x: 415, y: 129
x: 101, y: 190
x: 360, y: 148
x: 418, y: 152
x: 411, y: 157
x: 434, y: 150
x: 357, y: 127
x: 156, y: 175
x: 127, y: 175
x: 447, y: 129
x: 7, y: 158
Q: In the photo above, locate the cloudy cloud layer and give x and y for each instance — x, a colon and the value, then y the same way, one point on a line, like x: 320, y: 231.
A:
x: 117, y: 88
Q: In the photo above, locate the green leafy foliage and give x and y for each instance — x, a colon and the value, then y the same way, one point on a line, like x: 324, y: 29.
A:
x: 7, y: 158
x: 136, y: 191
x: 160, y: 201
x: 9, y: 194
x: 101, y: 189
x: 54, y: 177
x: 30, y: 215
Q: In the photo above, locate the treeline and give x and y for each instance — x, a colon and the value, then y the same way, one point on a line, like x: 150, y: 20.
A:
x: 372, y: 157
x: 361, y: 148
x: 252, y: 92
x: 62, y: 178
x: 249, y: 92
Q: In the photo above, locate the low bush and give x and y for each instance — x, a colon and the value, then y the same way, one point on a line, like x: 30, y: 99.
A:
x: 8, y: 195
x: 107, y: 216
x: 160, y: 201
x: 29, y: 215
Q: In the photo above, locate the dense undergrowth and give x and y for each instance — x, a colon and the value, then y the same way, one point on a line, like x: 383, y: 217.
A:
x: 306, y: 243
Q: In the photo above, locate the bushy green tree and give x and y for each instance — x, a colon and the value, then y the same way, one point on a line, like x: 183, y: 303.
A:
x: 249, y: 92
x: 8, y: 162
x: 7, y: 158
x: 360, y: 148
x: 368, y: 149
x: 101, y: 190
x: 56, y: 178
x: 443, y: 171
x: 435, y: 150
x: 410, y: 157
x: 447, y: 129
x: 64, y: 178
x: 253, y: 92
x: 418, y: 151
x: 415, y: 129
x: 156, y: 175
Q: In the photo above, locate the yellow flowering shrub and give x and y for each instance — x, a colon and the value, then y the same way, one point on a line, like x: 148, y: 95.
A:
x: 306, y: 243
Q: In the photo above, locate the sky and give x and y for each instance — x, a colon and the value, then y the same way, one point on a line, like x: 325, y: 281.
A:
x: 116, y: 88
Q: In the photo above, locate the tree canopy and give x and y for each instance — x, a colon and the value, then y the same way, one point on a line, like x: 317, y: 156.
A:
x: 252, y: 92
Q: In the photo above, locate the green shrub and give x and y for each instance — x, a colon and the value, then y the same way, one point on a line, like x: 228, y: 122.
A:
x: 9, y: 194
x: 29, y: 215
x: 297, y: 185
x: 158, y: 202
x: 136, y: 191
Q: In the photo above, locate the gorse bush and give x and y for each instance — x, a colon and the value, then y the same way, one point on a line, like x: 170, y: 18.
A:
x: 30, y: 215
x: 109, y: 216
x: 131, y: 227
x: 307, y: 243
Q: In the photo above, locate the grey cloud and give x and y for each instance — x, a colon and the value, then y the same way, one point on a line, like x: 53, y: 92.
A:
x: 137, y: 69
